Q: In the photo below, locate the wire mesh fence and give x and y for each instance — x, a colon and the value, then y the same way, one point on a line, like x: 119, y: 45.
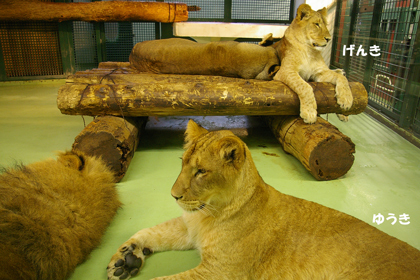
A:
x: 263, y: 10
x: 85, y: 48
x: 375, y: 42
x: 30, y: 49
x: 209, y: 10
x: 33, y: 48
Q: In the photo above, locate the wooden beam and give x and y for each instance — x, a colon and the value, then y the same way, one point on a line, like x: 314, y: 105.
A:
x: 322, y: 149
x: 113, y: 139
x: 32, y: 10
x: 122, y: 91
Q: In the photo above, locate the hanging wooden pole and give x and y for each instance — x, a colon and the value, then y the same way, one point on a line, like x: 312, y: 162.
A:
x: 322, y: 149
x: 33, y: 10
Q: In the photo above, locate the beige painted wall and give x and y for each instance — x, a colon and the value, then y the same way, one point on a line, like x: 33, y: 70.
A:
x: 331, y: 7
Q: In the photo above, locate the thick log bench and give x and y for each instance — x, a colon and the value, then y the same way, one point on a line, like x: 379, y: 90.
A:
x: 116, y: 89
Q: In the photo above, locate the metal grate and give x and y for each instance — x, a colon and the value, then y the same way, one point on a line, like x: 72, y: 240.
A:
x: 262, y: 10
x: 30, y: 49
x: 144, y: 31
x: 122, y: 36
x: 361, y: 38
x: 242, y: 10
x: 214, y: 9
x: 340, y: 37
x: 391, y: 68
x: 85, y: 50
x: 392, y: 26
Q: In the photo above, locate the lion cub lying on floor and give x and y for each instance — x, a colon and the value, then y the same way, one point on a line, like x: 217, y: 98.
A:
x: 52, y: 215
x: 245, y: 229
x: 301, y: 60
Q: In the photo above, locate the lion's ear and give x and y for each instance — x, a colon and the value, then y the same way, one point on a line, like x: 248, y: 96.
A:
x: 72, y: 160
x: 193, y: 131
x: 232, y: 151
x: 323, y: 12
x: 303, y: 11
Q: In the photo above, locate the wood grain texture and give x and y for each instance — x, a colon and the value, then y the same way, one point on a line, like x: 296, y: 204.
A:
x: 27, y: 10
x: 114, y: 139
x: 123, y: 91
x: 322, y: 149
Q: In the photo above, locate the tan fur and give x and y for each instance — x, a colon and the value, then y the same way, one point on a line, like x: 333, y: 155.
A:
x: 301, y: 60
x: 245, y: 229
x: 225, y: 58
x: 52, y: 214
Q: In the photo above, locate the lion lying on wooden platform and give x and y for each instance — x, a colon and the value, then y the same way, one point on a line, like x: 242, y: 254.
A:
x: 227, y: 58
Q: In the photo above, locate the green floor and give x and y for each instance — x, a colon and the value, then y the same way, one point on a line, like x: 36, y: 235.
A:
x: 385, y: 177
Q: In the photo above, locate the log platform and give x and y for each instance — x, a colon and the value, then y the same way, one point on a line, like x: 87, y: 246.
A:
x: 113, y: 139
x: 321, y: 148
x: 119, y: 90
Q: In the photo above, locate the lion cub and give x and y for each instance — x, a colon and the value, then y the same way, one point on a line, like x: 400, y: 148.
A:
x: 245, y: 229
x: 301, y: 60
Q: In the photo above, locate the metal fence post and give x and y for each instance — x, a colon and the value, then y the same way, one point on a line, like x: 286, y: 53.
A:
x: 353, y: 16
x: 373, y: 38
x: 412, y: 89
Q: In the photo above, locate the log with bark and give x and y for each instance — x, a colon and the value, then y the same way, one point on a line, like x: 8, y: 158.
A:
x: 33, y: 10
x: 322, y: 149
x: 114, y: 139
x: 117, y: 89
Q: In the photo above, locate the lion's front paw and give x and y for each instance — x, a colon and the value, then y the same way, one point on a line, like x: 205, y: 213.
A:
x: 344, y: 97
x: 340, y: 71
x: 343, y: 118
x: 127, y: 261
x: 309, y: 115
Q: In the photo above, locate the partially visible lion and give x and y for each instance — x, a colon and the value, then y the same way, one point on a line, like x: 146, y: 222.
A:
x: 52, y: 214
x: 225, y: 58
x: 301, y: 60
x: 245, y: 229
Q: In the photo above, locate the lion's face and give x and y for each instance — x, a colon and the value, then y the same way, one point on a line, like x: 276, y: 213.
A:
x: 311, y: 27
x: 211, y: 166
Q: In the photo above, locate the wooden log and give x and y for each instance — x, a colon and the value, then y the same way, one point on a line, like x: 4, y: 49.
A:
x: 30, y: 10
x: 124, y: 92
x: 114, y: 139
x: 322, y: 149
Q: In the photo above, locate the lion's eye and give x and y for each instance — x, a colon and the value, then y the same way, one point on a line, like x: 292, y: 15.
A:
x: 317, y: 24
x: 200, y: 172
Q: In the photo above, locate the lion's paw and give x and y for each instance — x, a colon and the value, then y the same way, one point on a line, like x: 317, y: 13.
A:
x: 343, y: 118
x: 344, y: 97
x: 340, y: 71
x: 308, y: 115
x: 126, y: 262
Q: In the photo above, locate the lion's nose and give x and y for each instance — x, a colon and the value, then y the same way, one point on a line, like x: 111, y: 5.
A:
x: 327, y: 39
x: 176, y: 197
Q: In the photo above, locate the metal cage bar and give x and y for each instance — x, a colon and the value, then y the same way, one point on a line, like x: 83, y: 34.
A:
x: 391, y: 25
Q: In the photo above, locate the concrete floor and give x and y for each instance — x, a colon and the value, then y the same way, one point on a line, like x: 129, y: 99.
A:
x: 385, y: 177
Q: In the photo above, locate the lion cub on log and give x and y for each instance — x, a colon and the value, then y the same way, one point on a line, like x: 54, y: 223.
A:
x: 53, y: 214
x: 245, y: 229
x: 301, y: 60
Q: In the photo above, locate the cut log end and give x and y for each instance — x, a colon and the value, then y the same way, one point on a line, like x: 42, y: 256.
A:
x: 321, y: 148
x: 332, y: 158
x: 113, y: 139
